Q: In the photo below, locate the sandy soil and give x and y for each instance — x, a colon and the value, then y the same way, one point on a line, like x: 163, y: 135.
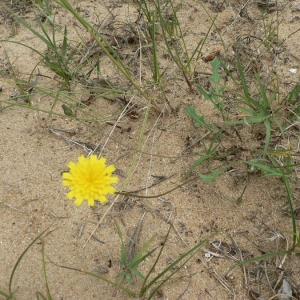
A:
x: 36, y: 147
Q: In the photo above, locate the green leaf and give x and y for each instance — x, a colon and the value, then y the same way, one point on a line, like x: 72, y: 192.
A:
x: 64, y: 45
x: 244, y: 84
x: 293, y: 95
x: 196, y: 164
x: 207, y: 96
x: 262, y: 91
x: 138, y: 259
x: 211, y: 178
x: 137, y: 273
x: 269, y: 171
x: 215, y: 64
x: 179, y: 264
x: 199, y: 120
x: 123, y: 261
x: 262, y: 257
x: 67, y: 110
x: 128, y: 278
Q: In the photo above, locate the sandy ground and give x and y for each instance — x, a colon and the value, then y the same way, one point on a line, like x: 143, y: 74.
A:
x: 36, y: 148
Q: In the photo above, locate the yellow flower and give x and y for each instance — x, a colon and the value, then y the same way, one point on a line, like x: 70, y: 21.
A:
x: 89, y: 179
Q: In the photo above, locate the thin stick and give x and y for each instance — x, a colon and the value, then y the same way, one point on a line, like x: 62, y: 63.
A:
x: 101, y: 220
x: 241, y: 260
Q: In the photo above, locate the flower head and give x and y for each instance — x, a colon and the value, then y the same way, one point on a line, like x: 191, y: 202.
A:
x: 89, y: 179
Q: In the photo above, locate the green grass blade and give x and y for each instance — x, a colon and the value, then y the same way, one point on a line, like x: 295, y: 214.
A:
x: 100, y: 39
x: 279, y: 125
x: 51, y: 43
x: 202, y: 42
x: 244, y: 84
x: 19, y: 260
x: 262, y: 257
x: 64, y: 45
x: 293, y: 95
x: 197, y: 163
x: 263, y: 95
x: 49, y: 297
x: 164, y: 27
x: 115, y: 284
x: 292, y: 211
x: 154, y: 50
x: 123, y: 260
x: 139, y: 256
x: 144, y: 7
x: 138, y: 259
x: 143, y: 289
x: 269, y: 171
x: 189, y: 253
x: 4, y: 294
x: 249, y: 100
x: 137, y: 273
x: 47, y: 40
x: 40, y: 296
x: 107, y: 49
x: 187, y: 59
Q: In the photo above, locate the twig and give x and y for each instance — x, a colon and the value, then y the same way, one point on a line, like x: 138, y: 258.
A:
x: 101, y: 220
x: 241, y: 259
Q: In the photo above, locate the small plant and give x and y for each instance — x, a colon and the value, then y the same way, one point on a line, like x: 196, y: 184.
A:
x: 210, y: 150
x: 214, y: 94
x: 129, y: 269
x: 163, y: 21
x: 271, y: 31
x: 56, y: 57
x: 258, y: 109
x: 254, y: 110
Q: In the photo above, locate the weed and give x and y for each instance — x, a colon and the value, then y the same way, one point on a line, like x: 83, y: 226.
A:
x: 129, y: 268
x: 150, y: 286
x: 259, y: 109
x: 215, y: 94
